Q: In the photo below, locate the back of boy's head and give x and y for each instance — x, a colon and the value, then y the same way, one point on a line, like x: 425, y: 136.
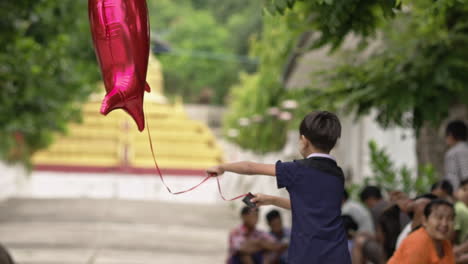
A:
x: 445, y: 185
x: 272, y: 215
x: 457, y: 129
x: 322, y: 129
x: 370, y: 192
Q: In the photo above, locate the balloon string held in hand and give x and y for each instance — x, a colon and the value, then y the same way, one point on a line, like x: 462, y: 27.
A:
x: 192, y: 188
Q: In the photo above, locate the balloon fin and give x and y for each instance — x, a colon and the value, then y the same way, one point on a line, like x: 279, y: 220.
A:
x: 147, y: 87
x: 134, y: 108
x: 111, y: 101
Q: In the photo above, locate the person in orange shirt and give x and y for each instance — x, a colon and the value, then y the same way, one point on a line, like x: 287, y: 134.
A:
x: 430, y: 244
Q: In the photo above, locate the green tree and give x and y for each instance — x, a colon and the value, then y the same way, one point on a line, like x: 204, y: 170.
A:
x: 47, y: 68
x: 242, y: 18
x: 335, y: 19
x: 208, y: 45
x: 412, y: 76
x: 251, y: 99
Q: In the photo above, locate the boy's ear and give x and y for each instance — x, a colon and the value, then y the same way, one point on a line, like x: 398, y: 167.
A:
x: 305, y: 141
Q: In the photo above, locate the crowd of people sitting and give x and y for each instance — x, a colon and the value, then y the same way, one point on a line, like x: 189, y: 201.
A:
x: 249, y: 245
x: 388, y: 227
x: 429, y: 228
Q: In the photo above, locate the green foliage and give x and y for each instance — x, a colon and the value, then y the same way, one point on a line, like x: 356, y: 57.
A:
x: 335, y: 19
x: 416, y: 73
x: 208, y: 44
x: 258, y: 92
x: 412, y: 74
x: 389, y: 177
x: 47, y: 67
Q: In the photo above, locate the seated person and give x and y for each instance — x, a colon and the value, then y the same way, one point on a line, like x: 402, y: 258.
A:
x: 443, y: 189
x: 461, y: 253
x: 461, y: 223
x: 461, y: 213
x: 429, y: 244
x: 281, y: 234
x: 359, y: 213
x: 414, y: 208
x: 389, y: 221
x: 350, y: 227
x: 5, y: 257
x: 372, y: 197
x: 247, y: 245
x: 388, y: 229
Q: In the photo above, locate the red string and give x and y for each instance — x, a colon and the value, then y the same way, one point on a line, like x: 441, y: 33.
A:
x: 192, y: 188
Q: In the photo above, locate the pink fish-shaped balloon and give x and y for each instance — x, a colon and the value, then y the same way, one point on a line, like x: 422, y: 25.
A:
x: 120, y: 31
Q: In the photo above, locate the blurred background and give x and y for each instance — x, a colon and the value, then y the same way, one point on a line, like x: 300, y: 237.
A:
x: 231, y: 80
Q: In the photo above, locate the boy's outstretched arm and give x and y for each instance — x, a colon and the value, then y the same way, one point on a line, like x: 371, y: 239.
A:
x: 243, y: 167
x: 264, y: 199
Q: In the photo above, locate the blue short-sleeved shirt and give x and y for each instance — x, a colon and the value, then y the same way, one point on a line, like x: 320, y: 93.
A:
x: 316, y: 187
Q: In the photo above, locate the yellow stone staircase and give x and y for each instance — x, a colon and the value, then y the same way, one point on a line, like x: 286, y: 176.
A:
x: 113, y: 142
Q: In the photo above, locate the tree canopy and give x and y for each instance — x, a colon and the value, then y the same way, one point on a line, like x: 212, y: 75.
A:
x: 208, y: 44
x: 411, y: 75
x: 47, y: 67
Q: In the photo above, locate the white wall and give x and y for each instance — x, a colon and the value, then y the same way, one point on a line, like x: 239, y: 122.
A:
x: 12, y: 177
x: 43, y: 184
x: 353, y: 152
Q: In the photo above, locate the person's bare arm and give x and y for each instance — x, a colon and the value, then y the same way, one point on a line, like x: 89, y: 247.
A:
x: 272, y: 246
x: 462, y: 248
x: 250, y: 246
x: 263, y: 199
x: 243, y: 167
x: 402, y: 200
x: 461, y: 253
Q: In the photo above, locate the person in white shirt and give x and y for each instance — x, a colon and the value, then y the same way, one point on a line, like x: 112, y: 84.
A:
x: 456, y: 158
x: 359, y: 214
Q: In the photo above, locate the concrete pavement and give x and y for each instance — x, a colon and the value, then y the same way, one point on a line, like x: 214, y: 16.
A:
x: 108, y: 231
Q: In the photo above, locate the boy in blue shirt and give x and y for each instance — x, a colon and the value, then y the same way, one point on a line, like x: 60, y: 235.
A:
x: 315, y: 185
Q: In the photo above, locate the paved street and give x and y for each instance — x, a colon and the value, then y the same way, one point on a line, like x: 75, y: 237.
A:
x: 105, y: 231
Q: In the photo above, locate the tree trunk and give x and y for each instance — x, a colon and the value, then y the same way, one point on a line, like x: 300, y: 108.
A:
x: 430, y: 144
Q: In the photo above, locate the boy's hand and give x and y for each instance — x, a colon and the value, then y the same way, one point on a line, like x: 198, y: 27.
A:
x: 215, y: 171
x: 262, y: 199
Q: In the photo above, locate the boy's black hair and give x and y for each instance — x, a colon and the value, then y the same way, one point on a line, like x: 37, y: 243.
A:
x: 463, y: 183
x: 436, y: 203
x: 246, y: 210
x: 322, y: 129
x: 456, y: 129
x: 272, y: 215
x: 370, y: 192
x: 444, y: 185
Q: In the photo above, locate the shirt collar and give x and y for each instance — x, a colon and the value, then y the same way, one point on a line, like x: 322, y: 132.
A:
x: 321, y: 155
